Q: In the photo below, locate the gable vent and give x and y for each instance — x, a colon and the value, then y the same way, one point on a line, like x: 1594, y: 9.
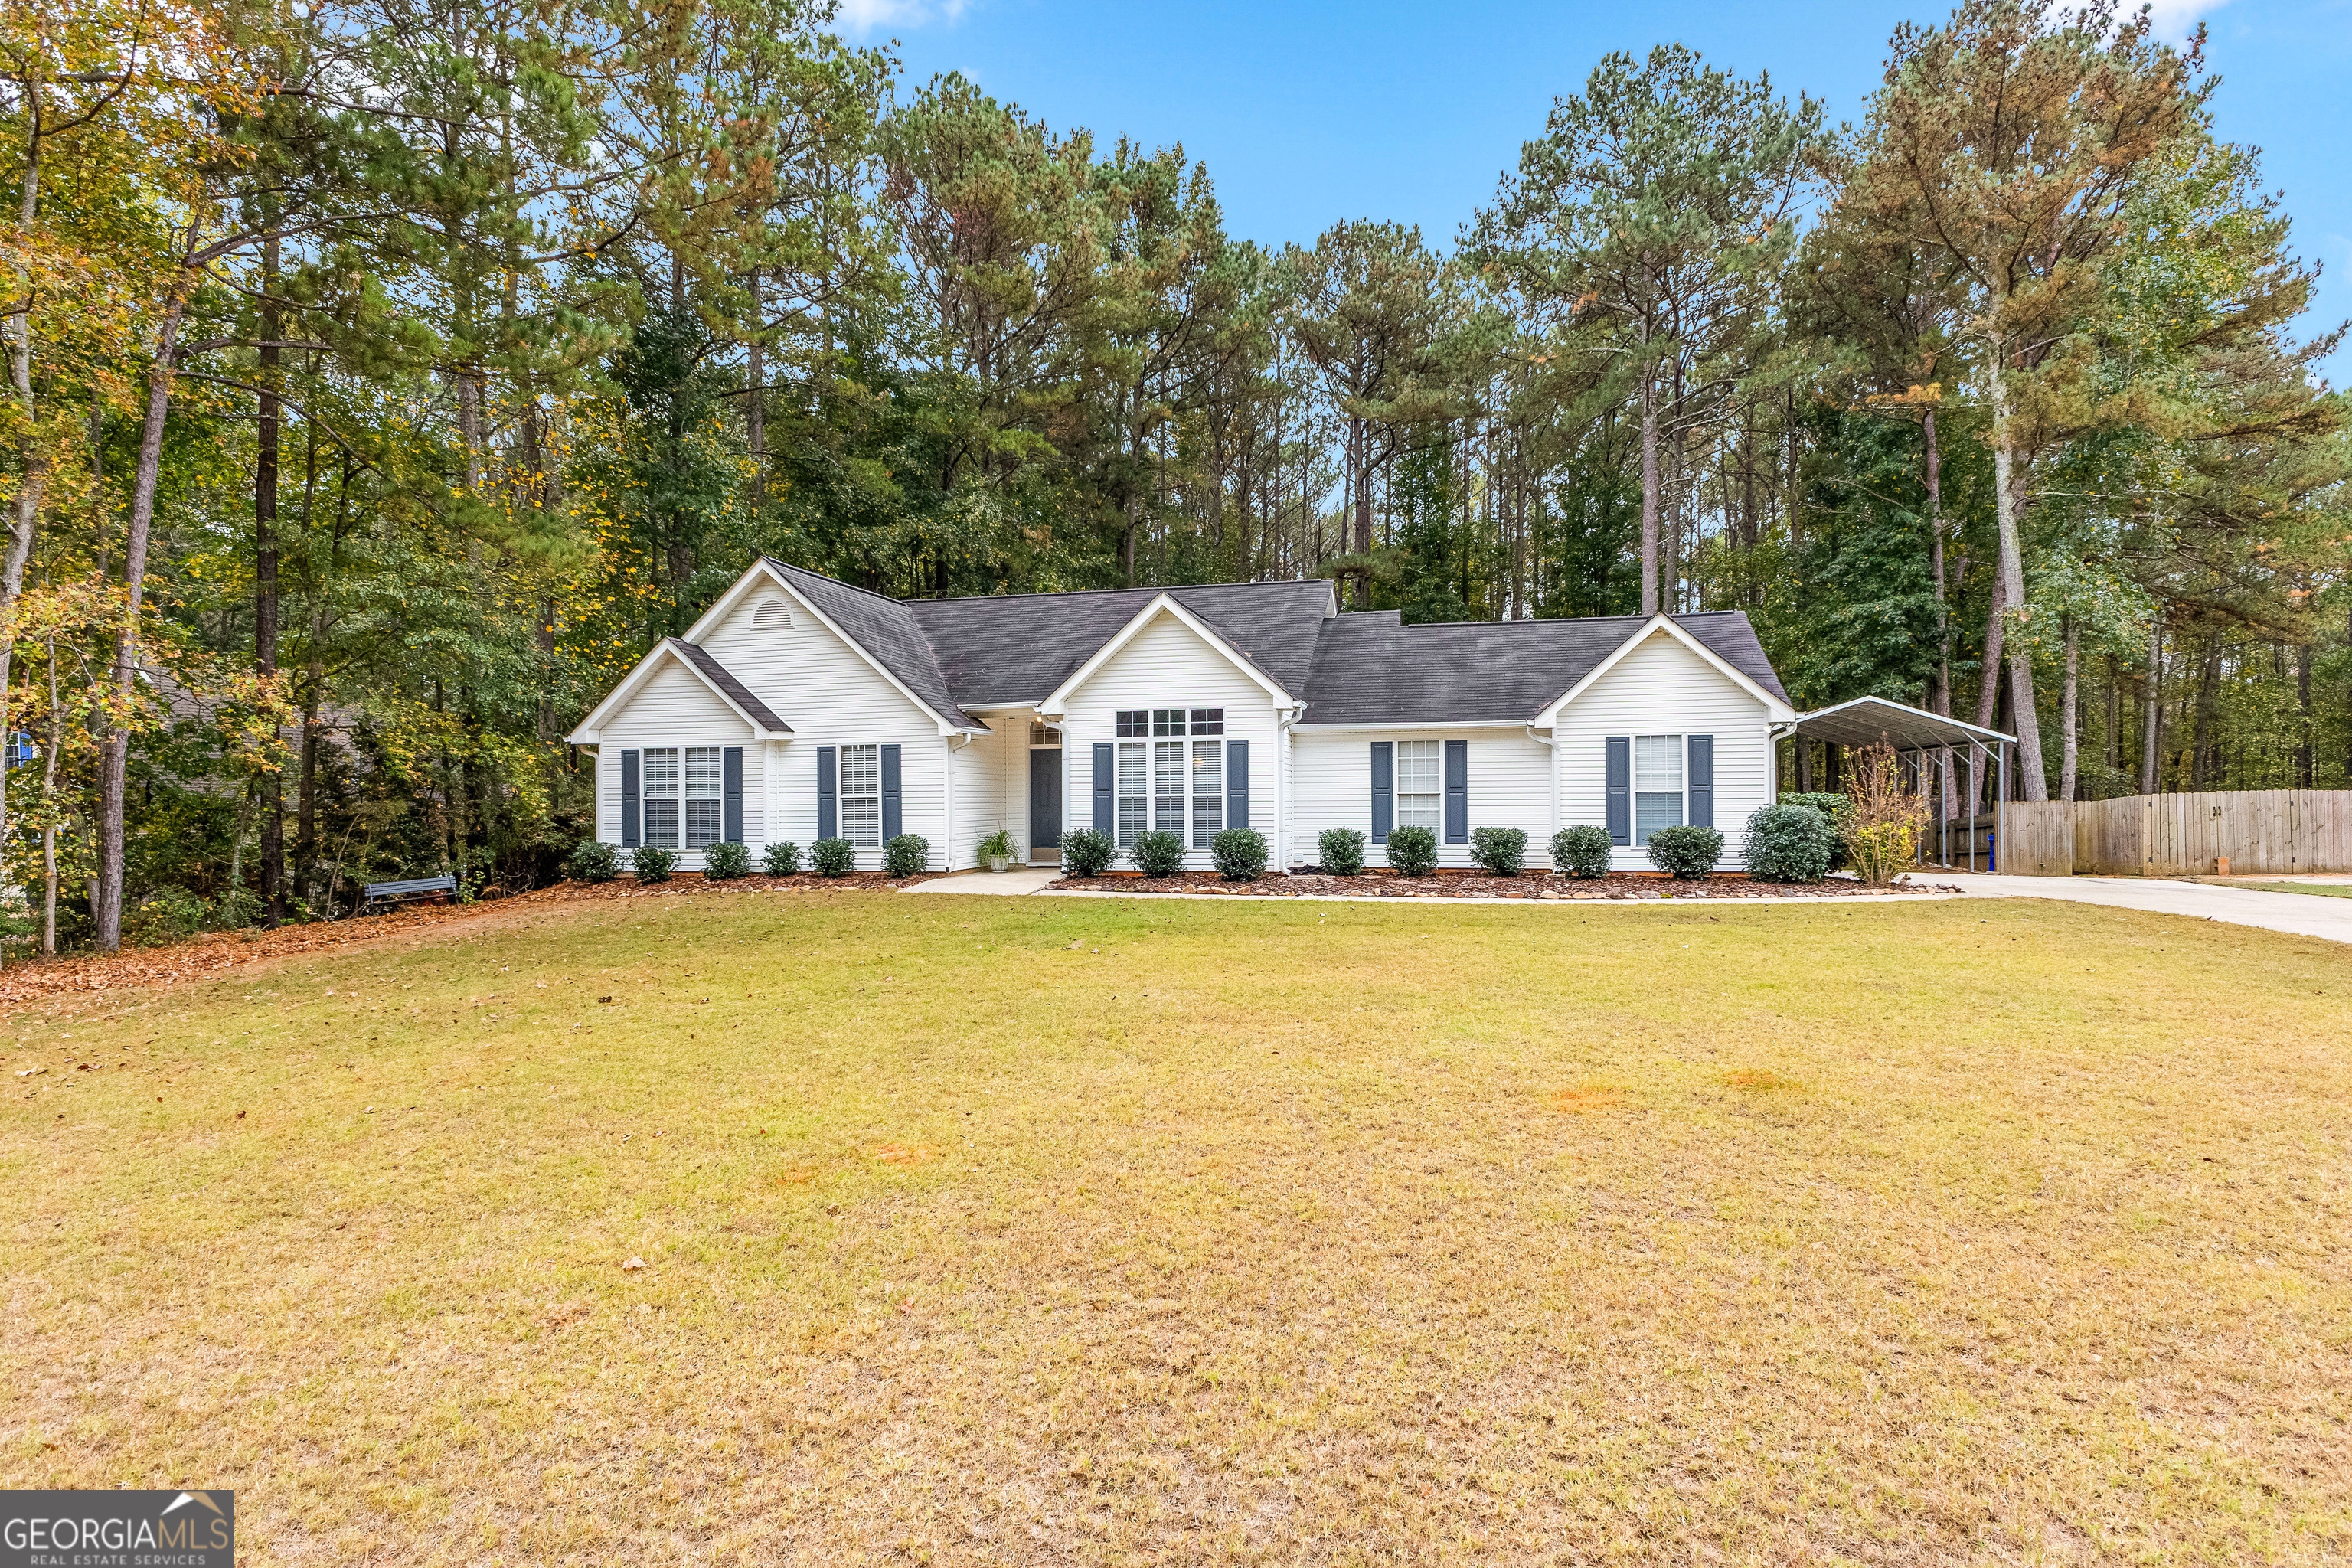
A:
x: 772, y: 615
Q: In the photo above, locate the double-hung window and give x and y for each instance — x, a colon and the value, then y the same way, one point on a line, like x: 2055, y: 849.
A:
x: 1657, y: 784
x: 705, y: 797
x: 861, y: 796
x: 1420, y: 784
x: 659, y: 793
x: 1167, y: 775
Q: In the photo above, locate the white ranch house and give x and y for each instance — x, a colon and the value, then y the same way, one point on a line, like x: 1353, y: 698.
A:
x: 801, y: 707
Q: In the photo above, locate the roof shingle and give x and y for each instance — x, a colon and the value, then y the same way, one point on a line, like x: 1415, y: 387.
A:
x: 1016, y: 649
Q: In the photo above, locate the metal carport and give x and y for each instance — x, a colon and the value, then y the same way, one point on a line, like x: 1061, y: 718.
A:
x: 1914, y: 734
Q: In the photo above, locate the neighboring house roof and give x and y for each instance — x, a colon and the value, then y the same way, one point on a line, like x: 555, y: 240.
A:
x: 735, y: 691
x: 1371, y: 669
x: 1018, y: 649
x: 886, y: 629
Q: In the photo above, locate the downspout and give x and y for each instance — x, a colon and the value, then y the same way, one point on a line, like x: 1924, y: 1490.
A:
x: 1552, y: 743
x: 1284, y: 717
x: 957, y: 741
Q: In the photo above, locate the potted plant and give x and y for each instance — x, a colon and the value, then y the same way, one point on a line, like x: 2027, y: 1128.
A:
x: 996, y: 851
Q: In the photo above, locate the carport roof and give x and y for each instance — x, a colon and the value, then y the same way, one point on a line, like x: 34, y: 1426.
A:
x: 1868, y: 720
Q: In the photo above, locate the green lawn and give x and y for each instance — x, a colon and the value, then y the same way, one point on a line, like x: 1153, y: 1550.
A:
x: 2325, y: 889
x: 986, y: 1230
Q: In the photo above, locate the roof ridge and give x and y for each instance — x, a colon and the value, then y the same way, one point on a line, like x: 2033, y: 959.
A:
x: 828, y: 577
x: 1090, y: 593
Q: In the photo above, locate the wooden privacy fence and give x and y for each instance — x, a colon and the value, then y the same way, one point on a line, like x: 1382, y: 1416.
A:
x: 2258, y: 831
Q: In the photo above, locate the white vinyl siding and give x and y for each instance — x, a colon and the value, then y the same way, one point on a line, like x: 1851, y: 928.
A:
x: 831, y: 695
x: 675, y: 713
x: 1660, y: 685
x: 1165, y: 663
x: 1331, y: 786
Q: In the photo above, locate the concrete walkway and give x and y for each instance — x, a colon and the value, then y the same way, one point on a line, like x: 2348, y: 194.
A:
x: 2297, y: 914
x: 1001, y: 884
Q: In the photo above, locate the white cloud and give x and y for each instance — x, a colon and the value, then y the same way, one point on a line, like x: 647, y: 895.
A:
x: 2176, y: 19
x: 862, y: 17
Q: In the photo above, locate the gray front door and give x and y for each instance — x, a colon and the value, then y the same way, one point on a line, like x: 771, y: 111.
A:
x: 1045, y: 799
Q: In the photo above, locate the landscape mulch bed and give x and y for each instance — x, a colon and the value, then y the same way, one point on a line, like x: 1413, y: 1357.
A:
x: 218, y: 951
x: 1545, y: 886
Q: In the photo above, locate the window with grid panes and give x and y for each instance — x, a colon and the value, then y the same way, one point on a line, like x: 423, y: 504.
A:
x: 1419, y: 784
x: 861, y: 796
x: 1657, y: 784
x: 705, y: 797
x: 1170, y: 780
x: 658, y: 789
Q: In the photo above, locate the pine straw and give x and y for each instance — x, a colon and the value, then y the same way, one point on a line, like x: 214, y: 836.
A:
x: 1239, y: 1233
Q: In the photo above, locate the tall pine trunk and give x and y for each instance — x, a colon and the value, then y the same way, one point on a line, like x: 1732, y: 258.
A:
x: 114, y: 739
x: 2009, y: 478
x: 2067, y: 708
x: 265, y: 581
x: 1649, y: 489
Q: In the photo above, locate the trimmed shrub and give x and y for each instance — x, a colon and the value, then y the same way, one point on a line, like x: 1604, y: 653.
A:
x: 832, y: 856
x: 1086, y: 853
x: 780, y: 859
x: 1837, y: 807
x: 1239, y: 854
x: 908, y: 855
x: 1341, y: 851
x: 1501, y: 850
x: 725, y: 861
x: 1412, y: 851
x: 1790, y: 843
x: 652, y: 865
x: 592, y: 860
x: 1687, y: 853
x: 1581, y: 851
x: 1158, y: 854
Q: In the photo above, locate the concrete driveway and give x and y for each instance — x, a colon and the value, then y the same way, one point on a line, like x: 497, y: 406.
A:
x: 2297, y: 914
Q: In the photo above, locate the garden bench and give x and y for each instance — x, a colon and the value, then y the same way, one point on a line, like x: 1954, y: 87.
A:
x: 408, y: 889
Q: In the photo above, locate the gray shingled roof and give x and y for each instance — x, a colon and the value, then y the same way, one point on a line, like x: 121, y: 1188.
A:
x: 886, y: 629
x: 737, y: 692
x: 1361, y: 668
x: 1018, y: 648
x: 1371, y: 669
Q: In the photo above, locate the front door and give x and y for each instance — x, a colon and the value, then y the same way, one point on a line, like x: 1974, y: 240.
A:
x: 1045, y: 803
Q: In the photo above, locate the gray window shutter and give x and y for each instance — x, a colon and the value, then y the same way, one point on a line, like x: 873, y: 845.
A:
x: 731, y: 781
x: 1701, y: 779
x: 1621, y: 789
x: 892, y: 823
x: 1383, y: 790
x: 1236, y: 784
x: 828, y: 798
x: 629, y: 798
x: 1104, y: 763
x: 1458, y: 792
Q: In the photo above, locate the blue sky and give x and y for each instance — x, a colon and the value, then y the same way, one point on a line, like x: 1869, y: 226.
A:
x: 1307, y: 113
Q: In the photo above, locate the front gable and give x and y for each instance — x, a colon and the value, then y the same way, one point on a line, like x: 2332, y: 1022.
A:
x: 1165, y: 635
x: 1666, y: 657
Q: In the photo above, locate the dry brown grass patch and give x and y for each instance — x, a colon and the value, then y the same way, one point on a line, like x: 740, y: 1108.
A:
x: 1589, y: 1097
x: 1757, y: 1078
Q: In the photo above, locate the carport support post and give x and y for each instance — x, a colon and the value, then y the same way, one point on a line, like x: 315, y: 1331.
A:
x: 2001, y: 809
